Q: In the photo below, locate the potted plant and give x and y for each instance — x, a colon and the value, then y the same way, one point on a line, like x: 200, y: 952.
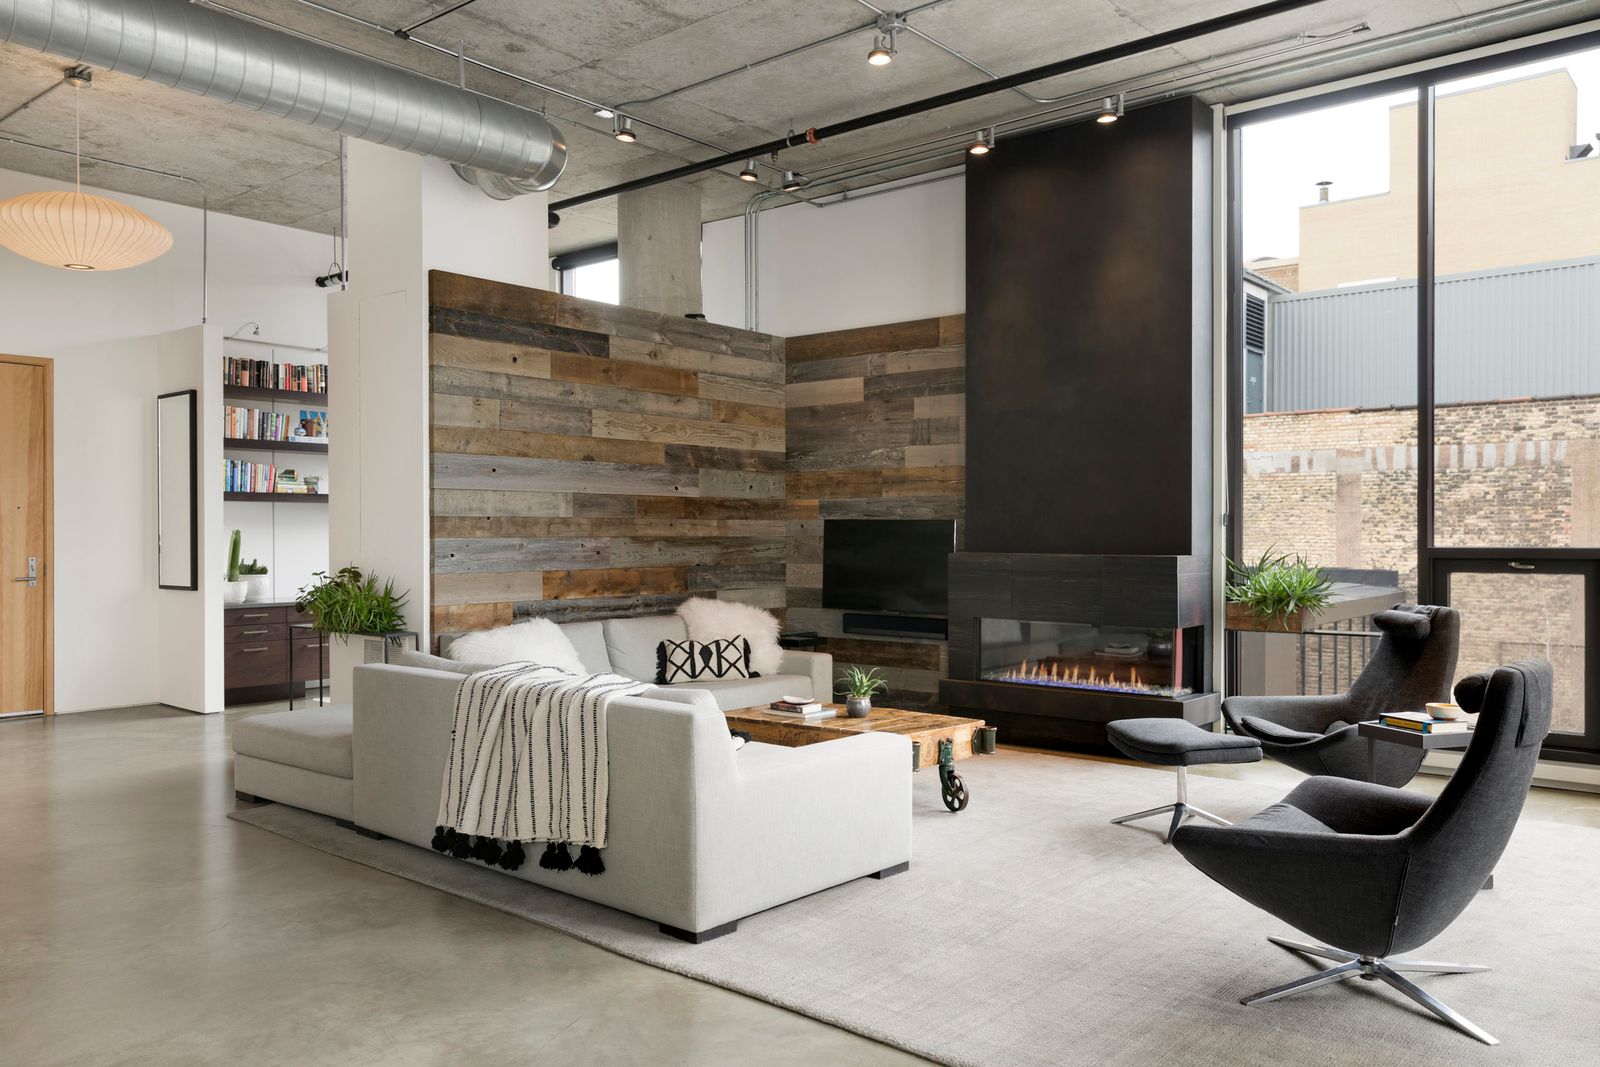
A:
x: 234, y: 589
x: 860, y: 687
x: 255, y: 579
x: 349, y: 602
x: 1276, y: 594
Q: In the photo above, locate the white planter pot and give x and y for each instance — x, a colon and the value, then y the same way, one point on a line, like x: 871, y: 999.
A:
x: 234, y: 592
x: 259, y: 586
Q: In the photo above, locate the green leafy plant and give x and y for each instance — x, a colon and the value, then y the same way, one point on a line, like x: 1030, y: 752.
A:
x: 1277, y: 585
x: 255, y: 566
x: 233, y: 557
x: 862, y: 684
x: 349, y: 602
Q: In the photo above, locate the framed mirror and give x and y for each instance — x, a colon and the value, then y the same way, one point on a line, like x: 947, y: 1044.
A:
x: 177, y: 478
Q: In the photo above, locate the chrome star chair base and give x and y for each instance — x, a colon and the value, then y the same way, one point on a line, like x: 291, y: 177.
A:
x: 1181, y: 810
x: 1392, y: 970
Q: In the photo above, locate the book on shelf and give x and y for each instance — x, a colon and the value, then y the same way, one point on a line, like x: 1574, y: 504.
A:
x: 1423, y: 723
x: 265, y: 374
x: 248, y: 476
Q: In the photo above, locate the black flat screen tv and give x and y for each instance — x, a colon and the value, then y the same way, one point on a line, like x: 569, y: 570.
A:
x: 896, y: 566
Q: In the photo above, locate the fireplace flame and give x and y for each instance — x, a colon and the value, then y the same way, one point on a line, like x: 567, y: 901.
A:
x: 1073, y: 676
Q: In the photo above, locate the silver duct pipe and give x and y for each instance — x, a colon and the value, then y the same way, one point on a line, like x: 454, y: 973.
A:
x: 499, y: 147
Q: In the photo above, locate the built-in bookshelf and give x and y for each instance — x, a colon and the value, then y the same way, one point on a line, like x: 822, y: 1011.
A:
x: 253, y: 390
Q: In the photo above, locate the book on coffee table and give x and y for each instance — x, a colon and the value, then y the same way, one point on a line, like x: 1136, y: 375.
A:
x: 801, y: 709
x: 1423, y: 723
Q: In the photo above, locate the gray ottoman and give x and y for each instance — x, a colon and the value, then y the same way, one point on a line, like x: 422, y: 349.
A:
x: 1181, y: 744
x: 301, y: 758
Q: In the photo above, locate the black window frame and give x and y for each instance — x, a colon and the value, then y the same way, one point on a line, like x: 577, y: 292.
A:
x: 1433, y: 561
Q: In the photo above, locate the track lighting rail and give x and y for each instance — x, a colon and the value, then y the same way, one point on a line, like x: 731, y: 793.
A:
x: 954, y: 96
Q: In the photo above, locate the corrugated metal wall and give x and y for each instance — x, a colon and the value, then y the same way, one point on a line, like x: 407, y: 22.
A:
x: 1524, y: 331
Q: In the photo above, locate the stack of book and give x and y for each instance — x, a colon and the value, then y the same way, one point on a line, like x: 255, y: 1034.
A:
x: 802, y: 709
x: 243, y: 476
x: 1423, y: 723
x: 265, y: 374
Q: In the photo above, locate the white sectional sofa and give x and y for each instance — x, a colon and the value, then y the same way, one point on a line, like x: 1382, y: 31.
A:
x: 701, y: 834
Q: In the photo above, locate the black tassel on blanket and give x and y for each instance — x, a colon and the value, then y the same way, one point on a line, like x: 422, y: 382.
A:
x: 509, y: 856
x: 589, y: 861
x: 556, y: 857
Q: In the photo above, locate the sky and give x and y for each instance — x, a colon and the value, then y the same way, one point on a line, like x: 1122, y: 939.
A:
x: 1349, y: 146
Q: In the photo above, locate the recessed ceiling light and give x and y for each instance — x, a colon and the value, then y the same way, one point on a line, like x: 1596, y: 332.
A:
x: 982, y: 142
x: 622, y: 129
x: 1110, y: 110
x: 749, y: 173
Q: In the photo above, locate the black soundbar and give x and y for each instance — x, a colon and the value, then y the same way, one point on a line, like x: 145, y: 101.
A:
x: 896, y: 625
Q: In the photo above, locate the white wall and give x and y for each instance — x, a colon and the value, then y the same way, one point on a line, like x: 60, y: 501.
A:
x: 407, y: 215
x: 102, y: 332
x: 892, y: 257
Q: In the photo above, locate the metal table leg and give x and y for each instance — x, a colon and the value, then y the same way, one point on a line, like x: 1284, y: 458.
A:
x: 1372, y: 759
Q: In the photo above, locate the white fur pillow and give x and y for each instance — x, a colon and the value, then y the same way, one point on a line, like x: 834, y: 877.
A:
x: 536, y: 641
x: 711, y: 620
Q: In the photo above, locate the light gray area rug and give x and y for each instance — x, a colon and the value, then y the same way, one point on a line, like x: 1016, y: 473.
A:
x: 1031, y: 931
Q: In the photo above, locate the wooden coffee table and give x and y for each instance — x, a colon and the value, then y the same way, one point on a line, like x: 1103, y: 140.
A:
x: 936, y: 740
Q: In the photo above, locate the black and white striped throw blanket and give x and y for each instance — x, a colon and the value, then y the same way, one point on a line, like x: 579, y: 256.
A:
x: 528, y: 763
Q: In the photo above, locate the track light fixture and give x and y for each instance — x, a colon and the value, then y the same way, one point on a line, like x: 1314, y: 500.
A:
x: 622, y: 129
x: 883, y: 51
x: 793, y: 182
x: 982, y: 143
x: 1111, y: 109
x: 749, y: 174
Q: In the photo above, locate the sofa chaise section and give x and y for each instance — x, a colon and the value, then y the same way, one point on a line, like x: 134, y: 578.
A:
x: 701, y: 834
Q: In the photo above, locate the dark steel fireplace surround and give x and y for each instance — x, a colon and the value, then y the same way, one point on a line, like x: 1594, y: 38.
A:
x: 1052, y: 647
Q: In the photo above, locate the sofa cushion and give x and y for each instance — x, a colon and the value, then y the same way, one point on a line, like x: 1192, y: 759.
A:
x: 532, y: 640
x: 589, y: 638
x: 631, y: 643
x: 712, y: 620
x: 730, y: 693
x: 682, y: 694
x: 315, y: 739
x: 692, y: 661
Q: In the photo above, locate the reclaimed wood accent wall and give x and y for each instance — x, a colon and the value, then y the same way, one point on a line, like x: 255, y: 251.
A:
x: 592, y: 461
x: 876, y: 429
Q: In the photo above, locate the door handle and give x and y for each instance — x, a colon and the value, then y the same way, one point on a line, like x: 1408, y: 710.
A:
x: 32, y: 577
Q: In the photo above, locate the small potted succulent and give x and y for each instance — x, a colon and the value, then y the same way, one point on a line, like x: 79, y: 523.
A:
x: 860, y: 687
x: 234, y: 588
x: 1276, y: 594
x: 258, y: 586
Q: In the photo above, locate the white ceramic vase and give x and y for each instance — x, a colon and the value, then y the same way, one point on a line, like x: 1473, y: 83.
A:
x: 258, y: 586
x: 234, y: 592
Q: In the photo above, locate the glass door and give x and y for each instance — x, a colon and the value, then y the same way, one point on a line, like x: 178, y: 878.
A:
x: 1532, y: 608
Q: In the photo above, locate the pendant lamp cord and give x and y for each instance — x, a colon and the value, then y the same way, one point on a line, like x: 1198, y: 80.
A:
x: 77, y: 139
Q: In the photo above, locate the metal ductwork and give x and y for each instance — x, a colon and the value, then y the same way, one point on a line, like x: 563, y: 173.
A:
x: 503, y: 149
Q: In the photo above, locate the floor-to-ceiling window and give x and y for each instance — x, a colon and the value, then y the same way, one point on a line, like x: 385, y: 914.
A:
x: 1440, y: 232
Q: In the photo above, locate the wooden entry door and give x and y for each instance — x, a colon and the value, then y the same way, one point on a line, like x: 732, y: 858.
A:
x: 26, y: 501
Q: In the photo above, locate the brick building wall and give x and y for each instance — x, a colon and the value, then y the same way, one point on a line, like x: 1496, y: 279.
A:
x: 1340, y: 488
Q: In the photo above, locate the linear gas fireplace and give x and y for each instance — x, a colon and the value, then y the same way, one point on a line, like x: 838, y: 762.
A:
x: 1150, y: 661
x: 1051, y: 648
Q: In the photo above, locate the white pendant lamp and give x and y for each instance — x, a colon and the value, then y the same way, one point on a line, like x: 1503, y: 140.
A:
x: 79, y: 230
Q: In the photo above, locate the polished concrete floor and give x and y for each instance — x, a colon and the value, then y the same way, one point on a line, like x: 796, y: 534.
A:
x: 138, y: 925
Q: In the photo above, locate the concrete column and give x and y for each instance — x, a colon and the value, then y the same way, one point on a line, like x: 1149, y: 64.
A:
x: 658, y: 248
x: 408, y: 216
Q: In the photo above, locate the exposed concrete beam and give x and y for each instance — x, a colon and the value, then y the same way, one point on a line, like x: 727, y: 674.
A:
x: 658, y: 248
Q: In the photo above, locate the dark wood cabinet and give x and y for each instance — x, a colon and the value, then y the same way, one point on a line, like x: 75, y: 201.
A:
x: 266, y: 656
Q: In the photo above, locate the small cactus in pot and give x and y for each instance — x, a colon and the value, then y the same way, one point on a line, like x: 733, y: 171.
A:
x: 234, y: 588
x: 860, y: 686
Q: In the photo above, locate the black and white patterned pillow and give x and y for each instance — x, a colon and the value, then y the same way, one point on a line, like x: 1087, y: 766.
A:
x: 693, y: 661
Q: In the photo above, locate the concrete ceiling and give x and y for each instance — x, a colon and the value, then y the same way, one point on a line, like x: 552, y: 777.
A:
x: 627, y: 50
